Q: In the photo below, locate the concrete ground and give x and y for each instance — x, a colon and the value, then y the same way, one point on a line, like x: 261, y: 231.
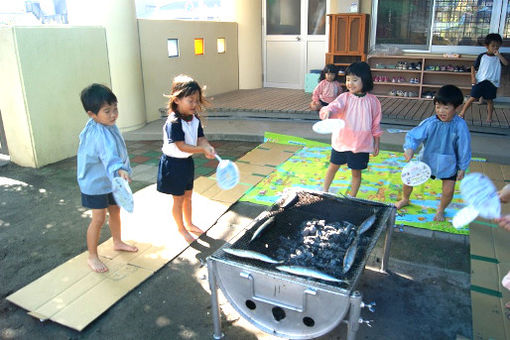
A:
x: 425, y: 295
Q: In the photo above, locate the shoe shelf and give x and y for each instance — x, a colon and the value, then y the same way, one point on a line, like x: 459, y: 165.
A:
x: 418, y: 76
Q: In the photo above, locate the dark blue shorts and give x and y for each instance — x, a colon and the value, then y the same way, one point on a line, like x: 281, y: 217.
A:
x: 97, y: 201
x: 175, y: 175
x: 484, y: 89
x: 355, y: 161
x: 453, y: 178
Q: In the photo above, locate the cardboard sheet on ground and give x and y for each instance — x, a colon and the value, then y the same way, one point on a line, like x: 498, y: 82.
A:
x: 74, y: 296
x: 381, y: 182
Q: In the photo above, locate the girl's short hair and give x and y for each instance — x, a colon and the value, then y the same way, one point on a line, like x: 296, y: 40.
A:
x: 95, y: 96
x: 449, y: 94
x: 329, y: 68
x: 362, y: 70
x: 184, y: 86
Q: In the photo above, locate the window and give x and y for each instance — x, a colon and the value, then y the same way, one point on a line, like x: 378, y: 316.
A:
x: 283, y: 17
x: 211, y: 10
x: 461, y: 23
x: 316, y: 17
x: 220, y: 45
x: 173, y: 48
x: 199, y: 46
x: 437, y: 25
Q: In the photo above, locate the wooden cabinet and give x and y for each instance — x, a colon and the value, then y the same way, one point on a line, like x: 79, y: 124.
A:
x: 348, y: 38
x: 419, y: 76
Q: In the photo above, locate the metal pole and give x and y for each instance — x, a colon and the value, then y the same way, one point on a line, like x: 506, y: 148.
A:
x: 215, y: 308
x: 387, y: 241
x: 354, y: 313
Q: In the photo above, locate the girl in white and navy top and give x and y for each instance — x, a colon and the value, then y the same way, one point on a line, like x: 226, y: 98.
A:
x: 182, y: 136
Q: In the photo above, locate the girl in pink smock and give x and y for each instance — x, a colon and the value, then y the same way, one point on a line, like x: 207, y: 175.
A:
x: 328, y: 89
x: 361, y: 112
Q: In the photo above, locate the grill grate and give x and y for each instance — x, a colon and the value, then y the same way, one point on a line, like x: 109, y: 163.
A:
x: 288, y: 226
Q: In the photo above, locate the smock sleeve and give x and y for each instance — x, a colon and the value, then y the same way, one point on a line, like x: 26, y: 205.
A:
x: 316, y: 92
x: 108, y: 153
x: 463, y: 147
x: 376, y: 118
x: 416, y: 136
x: 335, y: 108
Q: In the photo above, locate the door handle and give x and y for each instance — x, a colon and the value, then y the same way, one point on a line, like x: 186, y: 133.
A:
x: 298, y: 38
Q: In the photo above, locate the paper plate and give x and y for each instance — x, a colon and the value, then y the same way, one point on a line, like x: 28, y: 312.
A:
x: 478, y: 191
x: 122, y: 194
x: 415, y: 173
x: 464, y: 216
x: 227, y: 174
x: 328, y: 126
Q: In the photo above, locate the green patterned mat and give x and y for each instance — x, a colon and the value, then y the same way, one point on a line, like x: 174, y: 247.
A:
x: 380, y: 182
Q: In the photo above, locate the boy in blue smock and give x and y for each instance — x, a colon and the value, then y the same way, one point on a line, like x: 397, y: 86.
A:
x: 446, y: 146
x: 488, y: 73
x: 102, y: 155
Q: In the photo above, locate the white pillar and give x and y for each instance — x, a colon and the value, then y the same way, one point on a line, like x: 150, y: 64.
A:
x: 119, y: 19
x: 248, y: 18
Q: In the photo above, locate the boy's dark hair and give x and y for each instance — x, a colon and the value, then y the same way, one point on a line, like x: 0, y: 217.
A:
x: 449, y: 94
x: 94, y: 96
x: 362, y: 70
x: 184, y: 86
x: 493, y: 37
x: 329, y: 68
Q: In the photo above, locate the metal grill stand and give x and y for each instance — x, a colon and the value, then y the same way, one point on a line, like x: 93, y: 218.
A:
x: 288, y: 305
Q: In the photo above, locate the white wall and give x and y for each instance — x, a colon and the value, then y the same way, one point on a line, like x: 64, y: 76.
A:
x: 218, y: 72
x: 43, y: 71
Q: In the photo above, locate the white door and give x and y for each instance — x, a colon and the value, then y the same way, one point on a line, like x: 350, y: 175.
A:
x: 294, y: 40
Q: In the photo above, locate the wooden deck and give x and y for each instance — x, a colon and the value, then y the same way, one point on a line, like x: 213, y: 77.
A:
x: 395, y: 110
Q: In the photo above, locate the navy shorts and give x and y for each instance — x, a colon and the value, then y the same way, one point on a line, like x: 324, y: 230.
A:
x: 355, y: 161
x: 175, y: 175
x: 97, y: 201
x: 323, y: 103
x: 484, y: 89
x: 453, y: 178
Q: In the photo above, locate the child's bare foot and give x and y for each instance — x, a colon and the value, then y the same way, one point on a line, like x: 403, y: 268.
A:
x: 187, y: 236
x: 121, y: 246
x: 488, y: 120
x: 194, y: 229
x: 402, y: 203
x: 439, y: 216
x: 96, y: 265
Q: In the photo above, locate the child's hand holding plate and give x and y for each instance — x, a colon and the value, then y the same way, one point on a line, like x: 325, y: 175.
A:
x: 328, y: 126
x: 123, y: 194
x: 478, y: 191
x: 415, y: 173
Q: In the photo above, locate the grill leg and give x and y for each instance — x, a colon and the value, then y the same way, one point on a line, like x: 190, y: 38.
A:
x: 354, y: 315
x: 215, y: 308
x: 387, y: 241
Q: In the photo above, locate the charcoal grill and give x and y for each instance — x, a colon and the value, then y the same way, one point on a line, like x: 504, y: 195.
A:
x: 288, y: 305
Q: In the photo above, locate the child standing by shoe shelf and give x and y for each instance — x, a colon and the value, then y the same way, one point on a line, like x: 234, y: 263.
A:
x: 486, y: 74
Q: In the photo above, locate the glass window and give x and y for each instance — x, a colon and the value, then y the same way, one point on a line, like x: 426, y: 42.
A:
x: 173, y: 48
x: 436, y: 25
x: 316, y: 17
x: 283, y: 17
x: 506, y: 28
x: 199, y: 46
x: 463, y: 23
x: 220, y: 45
x: 404, y: 22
